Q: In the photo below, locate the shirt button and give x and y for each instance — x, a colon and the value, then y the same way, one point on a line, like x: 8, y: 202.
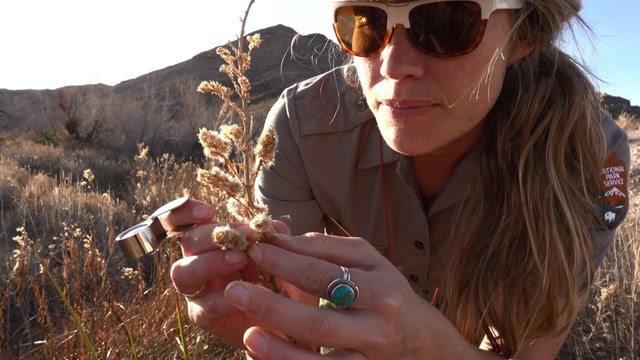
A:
x: 414, y: 278
x: 419, y: 245
x: 361, y: 105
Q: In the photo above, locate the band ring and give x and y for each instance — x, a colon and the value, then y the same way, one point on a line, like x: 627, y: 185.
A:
x: 192, y: 295
x: 343, y: 292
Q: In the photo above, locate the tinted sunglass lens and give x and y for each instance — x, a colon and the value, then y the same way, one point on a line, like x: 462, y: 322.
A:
x: 362, y: 30
x: 446, y: 28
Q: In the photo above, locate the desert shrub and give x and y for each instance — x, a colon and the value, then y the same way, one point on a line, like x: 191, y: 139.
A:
x: 628, y: 122
x: 47, y: 137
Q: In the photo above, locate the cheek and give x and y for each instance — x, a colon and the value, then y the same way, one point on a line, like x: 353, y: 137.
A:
x: 365, y: 68
x: 474, y: 79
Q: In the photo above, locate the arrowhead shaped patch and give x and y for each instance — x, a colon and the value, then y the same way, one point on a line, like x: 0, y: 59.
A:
x: 614, y: 194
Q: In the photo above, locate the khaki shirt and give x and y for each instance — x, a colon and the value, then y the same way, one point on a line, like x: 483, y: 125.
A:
x: 328, y: 162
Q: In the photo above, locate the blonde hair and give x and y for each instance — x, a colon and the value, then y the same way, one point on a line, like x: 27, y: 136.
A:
x: 522, y: 249
x: 522, y: 236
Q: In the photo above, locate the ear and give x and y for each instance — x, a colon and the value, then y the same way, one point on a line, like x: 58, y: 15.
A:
x: 521, y: 50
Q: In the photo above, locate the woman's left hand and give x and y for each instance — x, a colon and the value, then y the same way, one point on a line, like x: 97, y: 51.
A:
x: 387, y: 321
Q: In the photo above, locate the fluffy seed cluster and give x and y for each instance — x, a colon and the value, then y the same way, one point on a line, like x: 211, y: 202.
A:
x: 266, y: 147
x: 231, y: 132
x: 262, y: 225
x: 88, y: 175
x: 218, y: 179
x: 215, y: 145
x: 254, y: 41
x: 230, y: 239
x: 214, y: 87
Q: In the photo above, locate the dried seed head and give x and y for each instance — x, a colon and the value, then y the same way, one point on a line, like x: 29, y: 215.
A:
x: 215, y: 146
x: 262, y: 224
x: 245, y: 60
x: 607, y: 292
x: 231, y: 132
x: 225, y: 55
x: 88, y: 175
x: 227, y: 69
x: 254, y: 41
x: 128, y: 273
x: 229, y: 239
x: 143, y: 153
x: 218, y: 179
x: 214, y: 87
x: 245, y: 84
x: 266, y: 147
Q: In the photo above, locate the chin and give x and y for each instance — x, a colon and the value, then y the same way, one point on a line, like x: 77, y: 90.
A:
x: 406, y: 149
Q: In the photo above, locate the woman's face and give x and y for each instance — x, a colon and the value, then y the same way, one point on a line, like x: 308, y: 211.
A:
x: 427, y: 105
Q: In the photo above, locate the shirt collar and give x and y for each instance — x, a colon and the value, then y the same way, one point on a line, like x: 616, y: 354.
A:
x: 455, y: 190
x: 452, y: 193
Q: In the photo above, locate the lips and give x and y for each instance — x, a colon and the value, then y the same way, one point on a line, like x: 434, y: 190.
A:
x: 406, y: 108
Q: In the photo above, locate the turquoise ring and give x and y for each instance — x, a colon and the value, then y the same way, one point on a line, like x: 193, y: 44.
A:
x: 343, y: 292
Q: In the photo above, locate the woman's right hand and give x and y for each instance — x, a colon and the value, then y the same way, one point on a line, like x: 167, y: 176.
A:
x: 205, y: 270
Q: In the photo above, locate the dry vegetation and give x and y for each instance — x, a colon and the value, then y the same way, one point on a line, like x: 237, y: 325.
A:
x: 127, y: 310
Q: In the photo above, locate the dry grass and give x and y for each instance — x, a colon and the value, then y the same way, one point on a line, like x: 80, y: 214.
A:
x: 72, y: 225
x: 609, y: 325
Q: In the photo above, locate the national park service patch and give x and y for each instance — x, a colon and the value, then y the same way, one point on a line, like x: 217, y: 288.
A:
x: 613, y: 197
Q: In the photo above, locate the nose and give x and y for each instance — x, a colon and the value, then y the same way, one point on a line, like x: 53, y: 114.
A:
x: 401, y: 58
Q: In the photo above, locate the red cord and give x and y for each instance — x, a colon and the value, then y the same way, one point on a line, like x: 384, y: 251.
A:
x: 386, y: 204
x: 386, y: 218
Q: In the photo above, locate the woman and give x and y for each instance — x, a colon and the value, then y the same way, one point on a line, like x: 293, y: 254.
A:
x: 468, y: 157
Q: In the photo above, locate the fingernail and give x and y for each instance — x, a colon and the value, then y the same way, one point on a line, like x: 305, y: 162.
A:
x: 255, y: 341
x: 202, y: 212
x: 237, y: 294
x: 235, y: 257
x: 255, y: 253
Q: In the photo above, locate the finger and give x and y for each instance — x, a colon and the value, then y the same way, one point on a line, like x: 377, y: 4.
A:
x: 191, y: 212
x: 310, y: 274
x: 281, y: 227
x: 266, y: 346
x: 198, y: 240
x: 191, y: 274
x: 206, y: 310
x: 227, y: 325
x: 305, y: 323
x: 338, y: 250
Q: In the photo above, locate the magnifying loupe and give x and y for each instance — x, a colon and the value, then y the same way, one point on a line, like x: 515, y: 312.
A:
x: 145, y: 237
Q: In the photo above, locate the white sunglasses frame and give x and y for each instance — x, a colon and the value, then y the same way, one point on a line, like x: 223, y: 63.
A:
x: 398, y: 13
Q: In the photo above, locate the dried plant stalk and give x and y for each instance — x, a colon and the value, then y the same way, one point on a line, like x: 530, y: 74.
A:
x: 236, y: 179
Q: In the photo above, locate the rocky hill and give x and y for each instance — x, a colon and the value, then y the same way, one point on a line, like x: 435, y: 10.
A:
x: 155, y: 107
x: 283, y: 59
x: 616, y: 105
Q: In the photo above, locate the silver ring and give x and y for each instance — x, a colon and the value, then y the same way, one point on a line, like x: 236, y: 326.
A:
x: 342, y: 291
x: 192, y: 295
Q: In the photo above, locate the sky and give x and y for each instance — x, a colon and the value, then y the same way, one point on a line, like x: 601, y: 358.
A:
x: 48, y: 44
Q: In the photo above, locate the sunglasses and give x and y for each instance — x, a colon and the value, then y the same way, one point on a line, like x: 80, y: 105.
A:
x: 438, y: 28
